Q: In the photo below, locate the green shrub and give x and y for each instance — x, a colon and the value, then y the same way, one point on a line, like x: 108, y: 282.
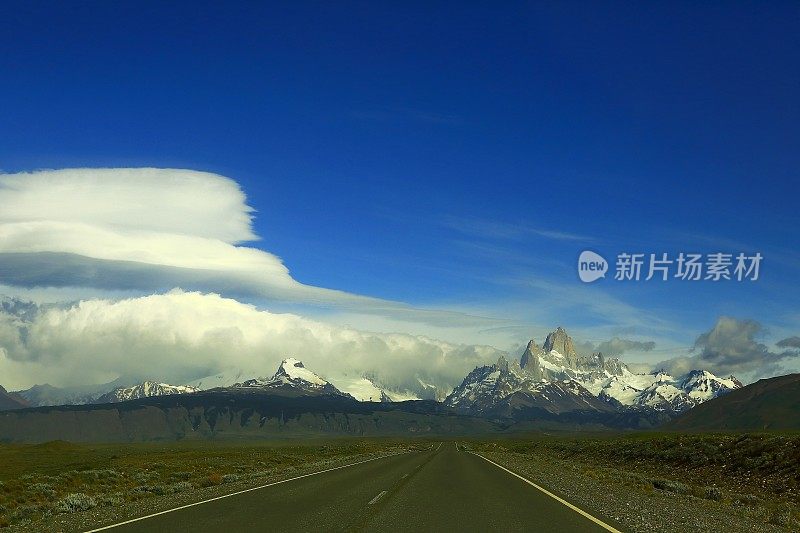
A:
x: 143, y: 476
x: 182, y: 486
x: 108, y: 500
x: 42, y: 489
x: 672, y: 486
x: 76, y: 501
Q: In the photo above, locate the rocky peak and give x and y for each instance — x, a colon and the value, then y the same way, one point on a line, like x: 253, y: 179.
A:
x: 559, y: 341
x: 292, y: 375
x: 502, y: 364
x: 530, y: 358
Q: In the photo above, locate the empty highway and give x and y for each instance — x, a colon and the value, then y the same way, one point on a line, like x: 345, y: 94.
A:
x: 443, y: 489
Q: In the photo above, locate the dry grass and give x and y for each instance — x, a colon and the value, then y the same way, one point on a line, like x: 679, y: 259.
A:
x: 40, y: 481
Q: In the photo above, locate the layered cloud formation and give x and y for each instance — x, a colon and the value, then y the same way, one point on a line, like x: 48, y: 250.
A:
x: 137, y: 229
x: 181, y: 336
x: 149, y: 230
x: 144, y: 231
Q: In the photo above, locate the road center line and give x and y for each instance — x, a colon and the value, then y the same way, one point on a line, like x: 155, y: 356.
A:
x: 376, y: 498
x: 557, y: 498
x: 242, y: 492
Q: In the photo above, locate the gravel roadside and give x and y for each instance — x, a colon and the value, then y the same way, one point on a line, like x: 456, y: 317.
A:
x: 625, y: 498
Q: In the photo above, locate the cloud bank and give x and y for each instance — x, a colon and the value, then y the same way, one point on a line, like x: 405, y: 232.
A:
x: 181, y: 336
x: 731, y: 347
x: 618, y: 346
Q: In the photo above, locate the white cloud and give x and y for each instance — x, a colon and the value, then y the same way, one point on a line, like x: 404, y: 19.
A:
x: 148, y: 230
x: 158, y: 217
x: 181, y: 336
x: 183, y: 202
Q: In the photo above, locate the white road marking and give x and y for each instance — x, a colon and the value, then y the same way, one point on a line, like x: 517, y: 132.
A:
x: 242, y: 492
x: 560, y: 500
x: 376, y: 498
x: 440, y: 445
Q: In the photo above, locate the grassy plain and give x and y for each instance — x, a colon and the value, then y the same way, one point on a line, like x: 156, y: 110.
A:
x: 45, y: 480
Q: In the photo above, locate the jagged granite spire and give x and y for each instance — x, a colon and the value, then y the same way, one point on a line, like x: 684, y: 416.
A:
x: 559, y: 341
x: 530, y: 360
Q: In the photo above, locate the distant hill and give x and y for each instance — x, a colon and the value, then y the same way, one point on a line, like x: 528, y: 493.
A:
x: 9, y: 400
x: 231, y: 413
x: 768, y: 404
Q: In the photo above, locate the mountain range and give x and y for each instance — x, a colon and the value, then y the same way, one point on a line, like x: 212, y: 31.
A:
x: 146, y: 389
x: 555, y: 379
x: 551, y: 384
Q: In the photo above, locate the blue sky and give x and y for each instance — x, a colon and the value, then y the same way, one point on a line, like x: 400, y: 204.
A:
x: 455, y: 156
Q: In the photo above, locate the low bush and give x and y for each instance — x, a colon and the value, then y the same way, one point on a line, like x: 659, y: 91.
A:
x: 712, y: 493
x: 210, y: 480
x: 42, y: 489
x: 74, y: 502
x: 182, y: 486
x: 672, y: 486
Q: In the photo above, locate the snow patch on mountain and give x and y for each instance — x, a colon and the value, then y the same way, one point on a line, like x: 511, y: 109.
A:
x: 364, y: 390
x: 146, y: 389
x: 227, y: 378
x: 292, y: 375
x: 606, y: 379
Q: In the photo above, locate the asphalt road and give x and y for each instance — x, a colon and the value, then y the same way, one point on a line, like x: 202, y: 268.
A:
x: 443, y: 489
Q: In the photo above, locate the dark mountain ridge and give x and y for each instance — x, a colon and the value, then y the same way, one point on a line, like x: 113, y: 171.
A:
x: 768, y: 404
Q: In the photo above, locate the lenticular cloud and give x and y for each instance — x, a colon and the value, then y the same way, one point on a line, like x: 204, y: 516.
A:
x: 147, y: 230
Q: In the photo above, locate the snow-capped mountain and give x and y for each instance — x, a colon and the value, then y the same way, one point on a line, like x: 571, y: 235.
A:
x: 292, y: 376
x: 702, y: 385
x: 556, y: 373
x: 47, y: 395
x: 486, y: 386
x: 364, y: 388
x: 661, y: 391
x: 145, y: 389
x: 557, y: 359
x: 504, y: 389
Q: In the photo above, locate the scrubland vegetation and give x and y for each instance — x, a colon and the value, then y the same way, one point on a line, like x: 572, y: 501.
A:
x: 38, y: 482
